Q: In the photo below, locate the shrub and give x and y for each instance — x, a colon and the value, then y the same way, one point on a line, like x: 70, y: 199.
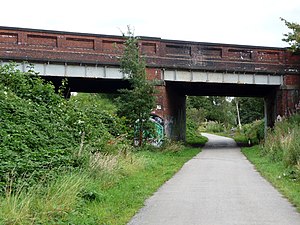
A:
x: 283, y: 142
x: 254, y: 131
x: 193, y: 135
x: 41, y: 133
x: 34, y: 136
x: 214, y: 127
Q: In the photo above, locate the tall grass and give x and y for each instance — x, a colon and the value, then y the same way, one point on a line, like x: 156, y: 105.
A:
x: 283, y: 143
x: 56, y: 200
x: 40, y: 204
x: 109, y: 190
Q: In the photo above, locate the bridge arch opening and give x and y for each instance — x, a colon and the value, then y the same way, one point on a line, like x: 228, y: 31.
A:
x: 176, y: 95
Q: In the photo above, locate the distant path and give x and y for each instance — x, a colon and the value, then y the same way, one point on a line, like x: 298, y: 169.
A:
x: 217, y: 187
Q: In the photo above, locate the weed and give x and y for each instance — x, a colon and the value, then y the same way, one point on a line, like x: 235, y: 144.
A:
x: 40, y: 203
x: 86, y: 197
x: 283, y: 143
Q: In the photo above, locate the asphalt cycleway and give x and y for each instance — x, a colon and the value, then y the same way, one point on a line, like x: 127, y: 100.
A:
x: 219, y: 186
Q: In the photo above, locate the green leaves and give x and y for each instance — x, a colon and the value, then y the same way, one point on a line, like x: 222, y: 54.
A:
x: 137, y: 102
x: 41, y: 132
x: 293, y: 37
x: 251, y: 109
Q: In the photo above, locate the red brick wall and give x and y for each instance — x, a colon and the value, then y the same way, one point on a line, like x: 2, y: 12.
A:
x: 291, y: 80
x: 41, y: 45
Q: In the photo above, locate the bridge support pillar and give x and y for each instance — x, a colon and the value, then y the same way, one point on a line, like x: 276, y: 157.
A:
x: 171, y: 106
x: 175, y: 115
x: 288, y: 96
x: 270, y: 110
x: 284, y: 101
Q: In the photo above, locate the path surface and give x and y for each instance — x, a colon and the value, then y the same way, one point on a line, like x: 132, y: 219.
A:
x: 217, y: 187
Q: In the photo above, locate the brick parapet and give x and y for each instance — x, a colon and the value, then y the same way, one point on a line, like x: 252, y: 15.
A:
x: 54, y: 46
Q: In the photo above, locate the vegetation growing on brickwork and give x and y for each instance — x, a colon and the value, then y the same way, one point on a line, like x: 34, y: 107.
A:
x: 137, y: 102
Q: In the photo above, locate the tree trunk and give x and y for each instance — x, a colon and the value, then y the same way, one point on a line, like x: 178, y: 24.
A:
x: 238, y: 113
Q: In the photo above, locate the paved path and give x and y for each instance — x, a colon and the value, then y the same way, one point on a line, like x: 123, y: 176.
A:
x: 217, y: 187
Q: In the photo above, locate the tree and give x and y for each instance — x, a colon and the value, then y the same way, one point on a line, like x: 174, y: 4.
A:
x: 211, y: 108
x: 251, y: 109
x: 293, y: 38
x: 137, y: 102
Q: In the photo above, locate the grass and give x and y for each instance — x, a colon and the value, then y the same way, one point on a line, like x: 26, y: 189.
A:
x: 98, y: 196
x: 281, y: 177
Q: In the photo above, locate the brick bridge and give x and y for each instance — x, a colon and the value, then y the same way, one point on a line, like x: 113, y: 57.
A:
x: 91, y: 63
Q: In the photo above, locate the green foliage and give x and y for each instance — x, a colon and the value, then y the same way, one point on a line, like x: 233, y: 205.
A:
x: 28, y: 85
x: 195, y: 115
x: 211, y: 108
x: 42, y: 133
x: 254, y: 131
x: 251, y: 109
x: 95, y: 118
x: 293, y: 37
x: 251, y: 133
x: 136, y: 103
x: 34, y: 135
x: 213, y: 127
x: 109, y: 196
x: 193, y: 135
x: 69, y: 161
x: 283, y: 142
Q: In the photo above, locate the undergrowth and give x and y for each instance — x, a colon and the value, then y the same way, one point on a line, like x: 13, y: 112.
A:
x: 109, y: 194
x: 70, y: 161
x: 283, y: 142
x: 278, y: 157
x: 43, y: 134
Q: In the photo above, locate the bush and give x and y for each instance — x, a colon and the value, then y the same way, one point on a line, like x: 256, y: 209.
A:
x: 193, y: 135
x: 34, y: 137
x: 214, y: 127
x: 41, y: 133
x: 283, y: 142
x: 254, y: 131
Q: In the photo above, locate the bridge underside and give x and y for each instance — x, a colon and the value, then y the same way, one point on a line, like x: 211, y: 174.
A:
x: 90, y: 85
x: 221, y: 89
x: 95, y: 78
x: 175, y: 85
